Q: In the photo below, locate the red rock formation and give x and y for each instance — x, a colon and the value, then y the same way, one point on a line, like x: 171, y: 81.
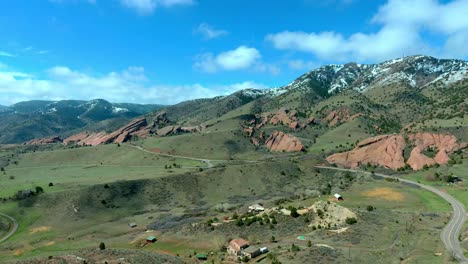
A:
x: 294, y: 125
x: 191, y: 129
x: 41, y: 141
x: 76, y: 138
x: 124, y: 133
x: 249, y: 131
x: 94, y: 139
x: 161, y: 118
x: 279, y: 141
x: 168, y: 130
x: 310, y: 120
x: 340, y: 116
x: 417, y: 160
x: 282, y: 116
x: 422, y: 141
x: 386, y: 151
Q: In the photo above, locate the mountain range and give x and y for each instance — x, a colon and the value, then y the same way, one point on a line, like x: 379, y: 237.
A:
x: 35, y: 119
x: 389, y: 96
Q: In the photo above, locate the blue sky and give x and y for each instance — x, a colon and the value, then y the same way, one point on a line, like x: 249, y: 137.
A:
x: 167, y: 51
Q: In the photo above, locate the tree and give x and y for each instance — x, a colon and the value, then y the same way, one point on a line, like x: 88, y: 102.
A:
x: 370, y: 208
x: 39, y: 189
x: 273, y: 239
x: 309, y: 243
x: 51, y: 184
x: 294, y: 212
x: 102, y: 246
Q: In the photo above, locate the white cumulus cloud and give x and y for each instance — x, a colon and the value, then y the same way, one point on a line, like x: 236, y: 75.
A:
x: 402, y: 27
x: 129, y: 85
x: 240, y: 58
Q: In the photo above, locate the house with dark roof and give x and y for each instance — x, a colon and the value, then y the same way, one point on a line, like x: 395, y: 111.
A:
x: 251, y: 252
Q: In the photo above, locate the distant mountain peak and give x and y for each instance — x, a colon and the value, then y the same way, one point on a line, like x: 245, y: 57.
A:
x: 415, y: 71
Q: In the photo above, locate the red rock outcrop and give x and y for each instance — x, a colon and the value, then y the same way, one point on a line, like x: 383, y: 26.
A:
x: 386, y: 151
x: 294, y: 125
x: 417, y: 160
x: 119, y: 136
x: 444, y: 144
x: 249, y: 131
x: 192, y: 129
x: 339, y: 116
x: 76, y: 138
x: 160, y: 118
x: 282, y: 116
x: 168, y: 130
x: 279, y: 141
x: 311, y: 120
x: 124, y: 133
x: 41, y: 141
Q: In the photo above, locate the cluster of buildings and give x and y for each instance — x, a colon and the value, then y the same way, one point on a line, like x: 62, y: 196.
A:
x: 242, y: 248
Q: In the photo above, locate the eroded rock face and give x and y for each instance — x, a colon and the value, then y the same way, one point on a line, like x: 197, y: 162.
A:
x: 386, y: 151
x: 123, y: 134
x: 339, y: 116
x: 40, y: 141
x: 168, y: 130
x: 280, y: 117
x: 279, y: 141
x: 294, y: 125
x: 119, y: 136
x: 443, y: 144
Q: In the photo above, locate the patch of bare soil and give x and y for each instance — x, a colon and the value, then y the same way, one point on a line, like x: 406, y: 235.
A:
x: 39, y: 229
x: 385, y: 193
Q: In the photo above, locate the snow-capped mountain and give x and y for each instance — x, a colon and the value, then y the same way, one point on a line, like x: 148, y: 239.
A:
x: 34, y: 119
x: 415, y: 71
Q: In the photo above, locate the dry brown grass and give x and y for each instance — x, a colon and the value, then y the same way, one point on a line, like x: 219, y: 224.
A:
x: 388, y: 194
x: 39, y: 229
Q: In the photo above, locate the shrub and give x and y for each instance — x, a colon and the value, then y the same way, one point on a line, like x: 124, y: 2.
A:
x: 351, y: 220
x: 102, y: 246
x: 370, y: 208
x: 320, y: 213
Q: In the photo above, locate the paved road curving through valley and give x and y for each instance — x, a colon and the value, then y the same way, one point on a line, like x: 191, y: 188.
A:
x: 451, y: 231
x: 12, y: 230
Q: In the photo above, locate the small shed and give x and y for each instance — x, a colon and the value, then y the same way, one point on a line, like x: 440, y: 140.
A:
x: 132, y: 225
x: 338, y: 197
x: 202, y: 256
x: 150, y: 239
x: 263, y: 250
x: 301, y: 238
